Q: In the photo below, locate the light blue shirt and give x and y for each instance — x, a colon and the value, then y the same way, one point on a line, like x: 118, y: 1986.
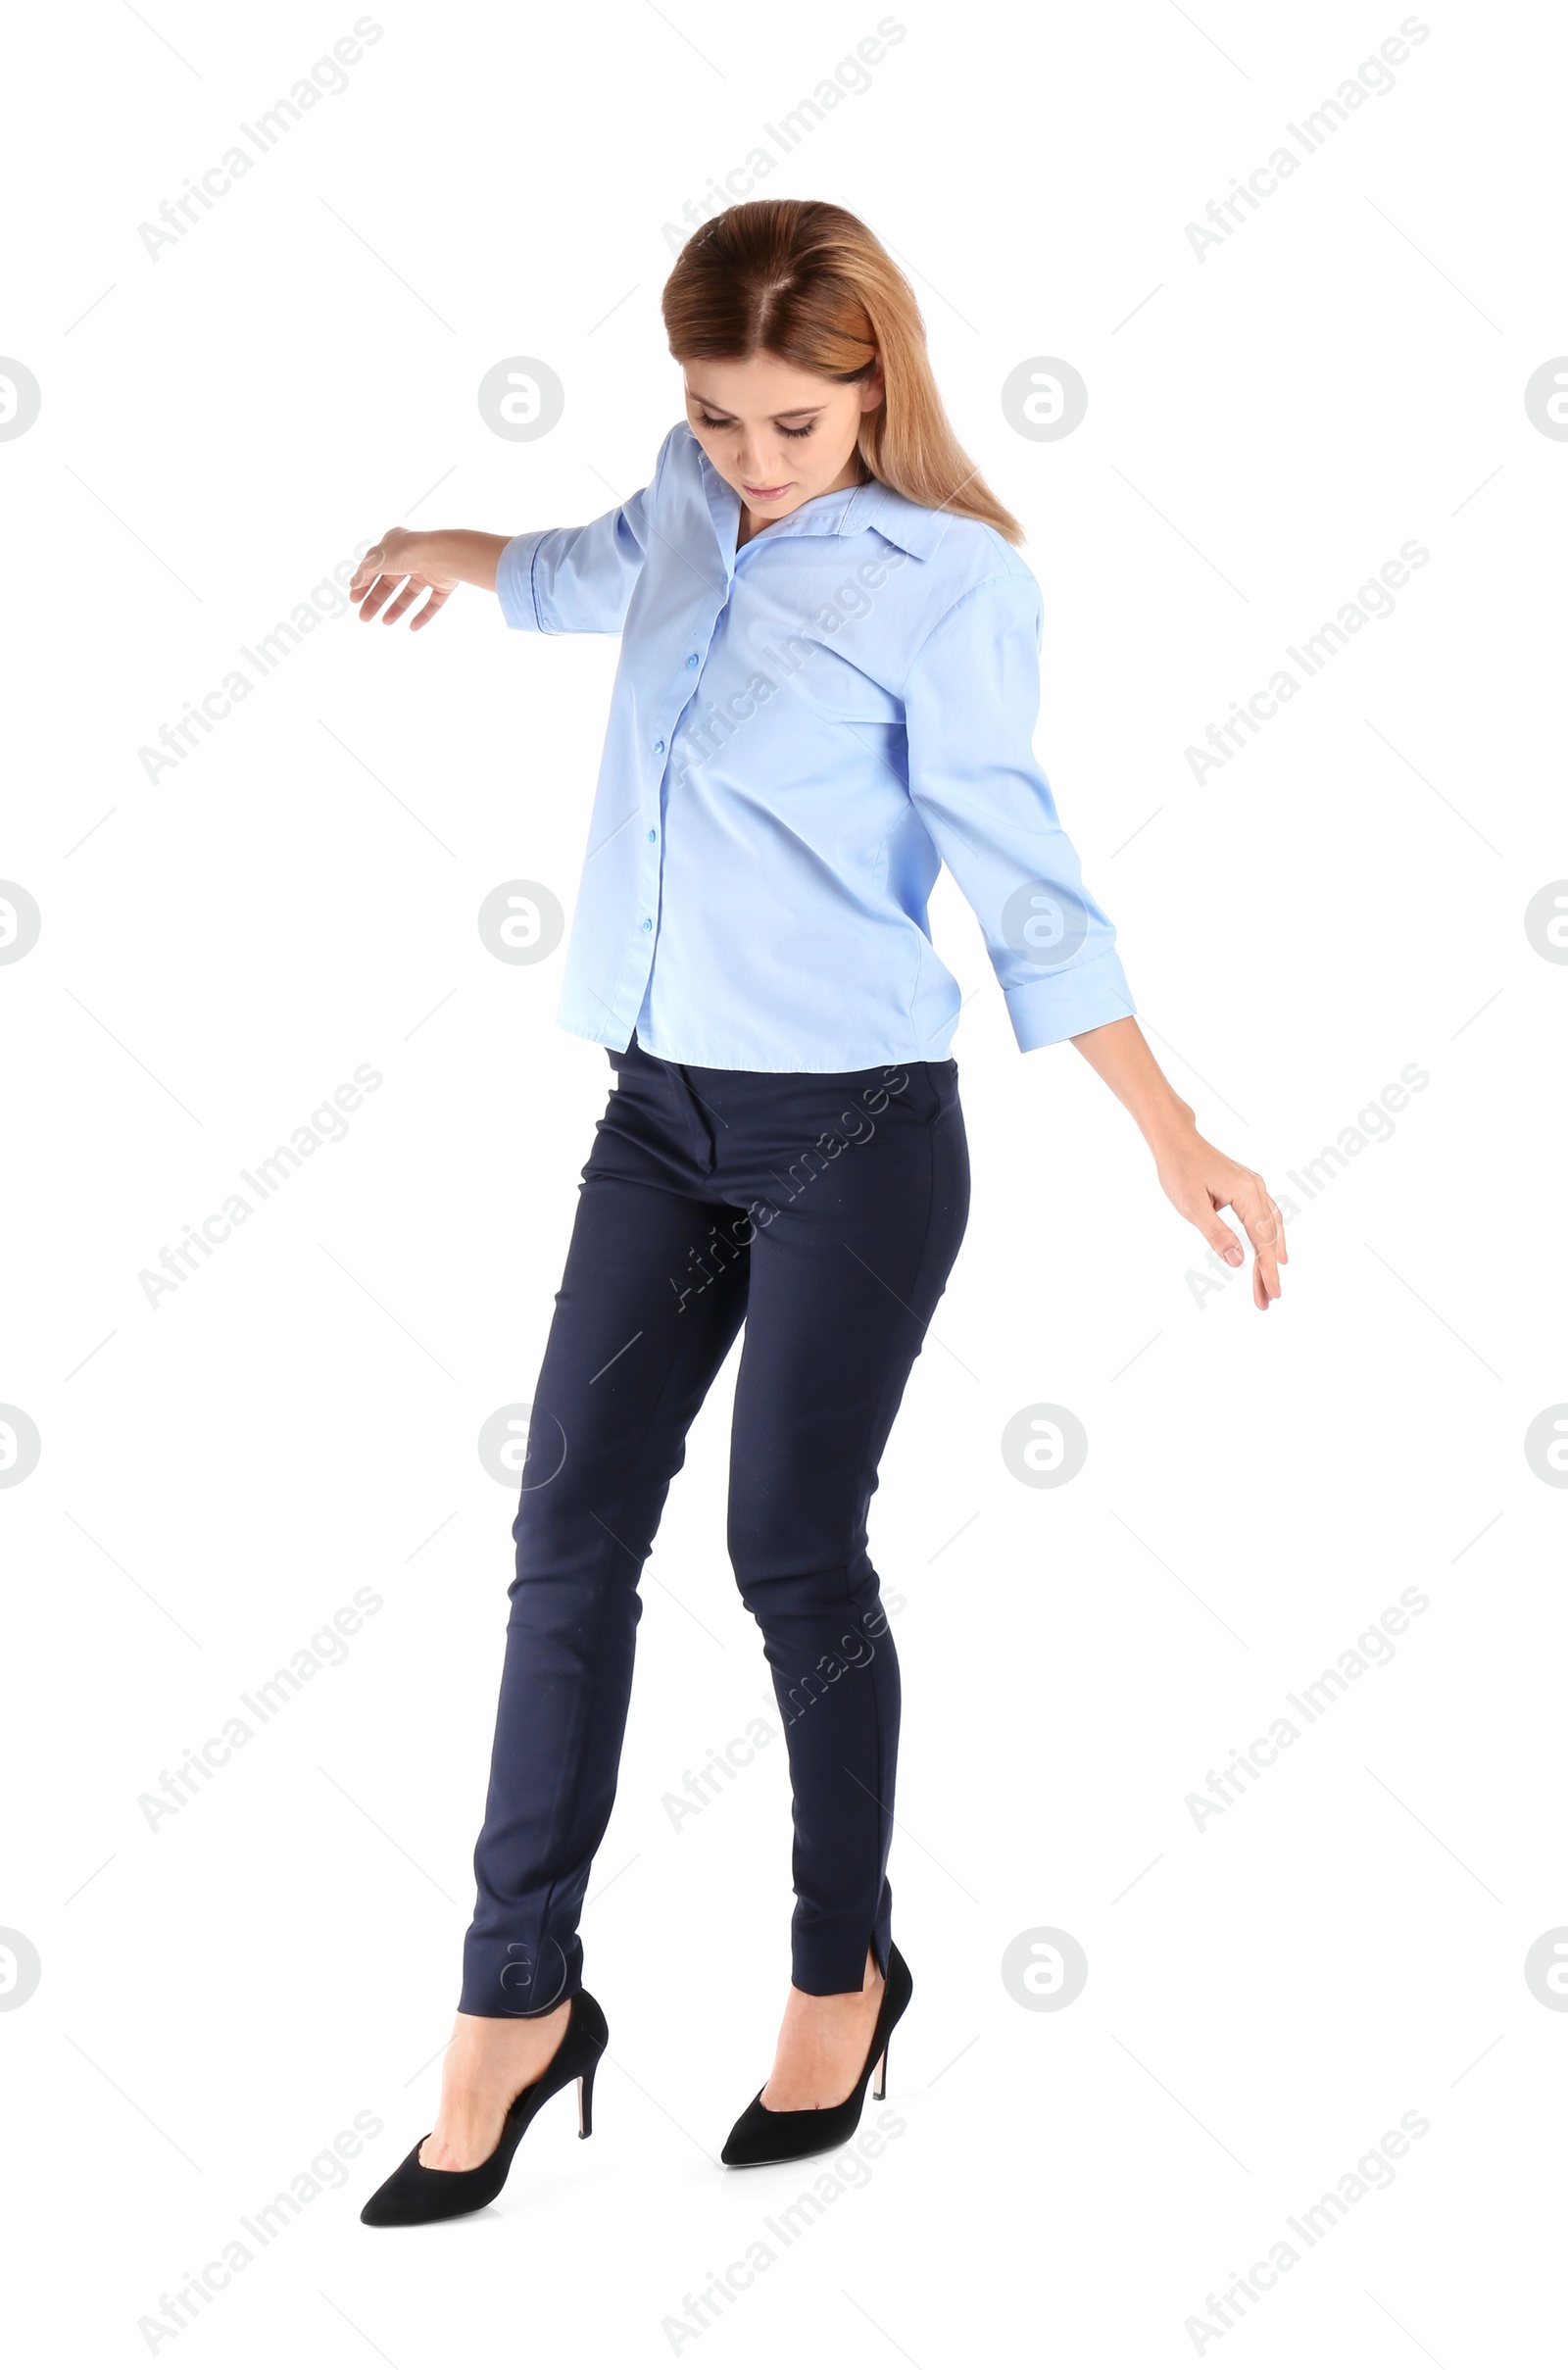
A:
x: 800, y: 734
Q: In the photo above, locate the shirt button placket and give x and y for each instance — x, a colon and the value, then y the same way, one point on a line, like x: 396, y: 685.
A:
x: 693, y: 658
x: 653, y: 836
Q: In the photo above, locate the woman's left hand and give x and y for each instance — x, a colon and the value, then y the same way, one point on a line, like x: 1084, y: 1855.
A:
x: 1201, y: 1181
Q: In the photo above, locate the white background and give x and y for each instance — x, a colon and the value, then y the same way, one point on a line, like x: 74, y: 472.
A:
x: 220, y: 948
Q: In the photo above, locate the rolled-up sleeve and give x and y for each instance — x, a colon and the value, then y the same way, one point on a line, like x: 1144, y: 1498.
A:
x: 971, y: 699
x: 575, y: 580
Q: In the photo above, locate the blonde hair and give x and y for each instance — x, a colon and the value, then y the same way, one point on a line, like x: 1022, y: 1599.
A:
x: 810, y: 284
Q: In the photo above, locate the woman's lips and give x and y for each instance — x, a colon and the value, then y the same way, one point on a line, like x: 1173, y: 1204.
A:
x: 767, y: 493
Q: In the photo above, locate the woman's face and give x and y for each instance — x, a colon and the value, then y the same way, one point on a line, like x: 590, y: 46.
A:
x: 778, y: 435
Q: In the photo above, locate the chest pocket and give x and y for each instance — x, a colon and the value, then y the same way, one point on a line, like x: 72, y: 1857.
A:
x: 818, y: 669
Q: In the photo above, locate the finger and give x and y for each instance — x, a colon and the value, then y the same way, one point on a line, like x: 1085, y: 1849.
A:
x: 371, y: 564
x: 1259, y: 1289
x: 405, y: 599
x: 1281, y: 1249
x: 380, y: 591
x: 440, y: 594
x: 1272, y: 1252
x: 1260, y: 1215
x: 1218, y: 1236
x: 1272, y: 1221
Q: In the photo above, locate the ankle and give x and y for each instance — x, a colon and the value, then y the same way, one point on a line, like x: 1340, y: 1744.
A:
x: 474, y: 2090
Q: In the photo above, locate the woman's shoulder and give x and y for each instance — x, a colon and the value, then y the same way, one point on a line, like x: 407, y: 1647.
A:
x: 681, y: 452
x: 959, y: 552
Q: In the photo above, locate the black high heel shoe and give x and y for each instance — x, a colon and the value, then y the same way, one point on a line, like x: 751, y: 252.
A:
x: 761, y: 2136
x: 416, y: 2194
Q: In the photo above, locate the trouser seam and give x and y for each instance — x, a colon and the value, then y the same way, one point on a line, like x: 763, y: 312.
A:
x: 580, y: 1744
x: 885, y: 1810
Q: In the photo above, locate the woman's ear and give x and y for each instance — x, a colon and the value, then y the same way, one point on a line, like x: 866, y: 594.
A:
x: 873, y: 390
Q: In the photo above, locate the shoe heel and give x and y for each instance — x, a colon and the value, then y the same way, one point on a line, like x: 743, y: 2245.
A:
x: 585, y: 2102
x: 879, y: 2080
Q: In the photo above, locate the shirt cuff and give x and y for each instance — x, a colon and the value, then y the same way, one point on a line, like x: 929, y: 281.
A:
x: 520, y: 604
x: 1064, y: 1004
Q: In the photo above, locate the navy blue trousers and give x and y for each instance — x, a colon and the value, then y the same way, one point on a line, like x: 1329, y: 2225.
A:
x: 824, y: 1211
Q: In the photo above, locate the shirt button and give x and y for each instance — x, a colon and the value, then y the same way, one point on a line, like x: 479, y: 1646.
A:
x: 647, y: 924
x: 692, y: 661
x: 658, y: 748
x: 652, y: 835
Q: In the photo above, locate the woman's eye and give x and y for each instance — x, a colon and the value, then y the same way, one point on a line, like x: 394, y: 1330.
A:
x: 706, y: 419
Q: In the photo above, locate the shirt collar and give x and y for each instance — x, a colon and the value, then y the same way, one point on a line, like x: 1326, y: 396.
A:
x: 910, y: 525
x: 851, y: 511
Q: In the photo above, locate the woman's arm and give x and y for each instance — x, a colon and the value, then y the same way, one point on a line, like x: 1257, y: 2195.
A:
x: 1199, y: 1180
x: 557, y: 579
x: 434, y: 564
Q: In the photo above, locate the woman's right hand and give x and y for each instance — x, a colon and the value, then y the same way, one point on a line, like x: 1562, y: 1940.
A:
x: 417, y: 564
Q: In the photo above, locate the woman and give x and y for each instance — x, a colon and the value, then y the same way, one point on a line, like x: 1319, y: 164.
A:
x: 827, y: 687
